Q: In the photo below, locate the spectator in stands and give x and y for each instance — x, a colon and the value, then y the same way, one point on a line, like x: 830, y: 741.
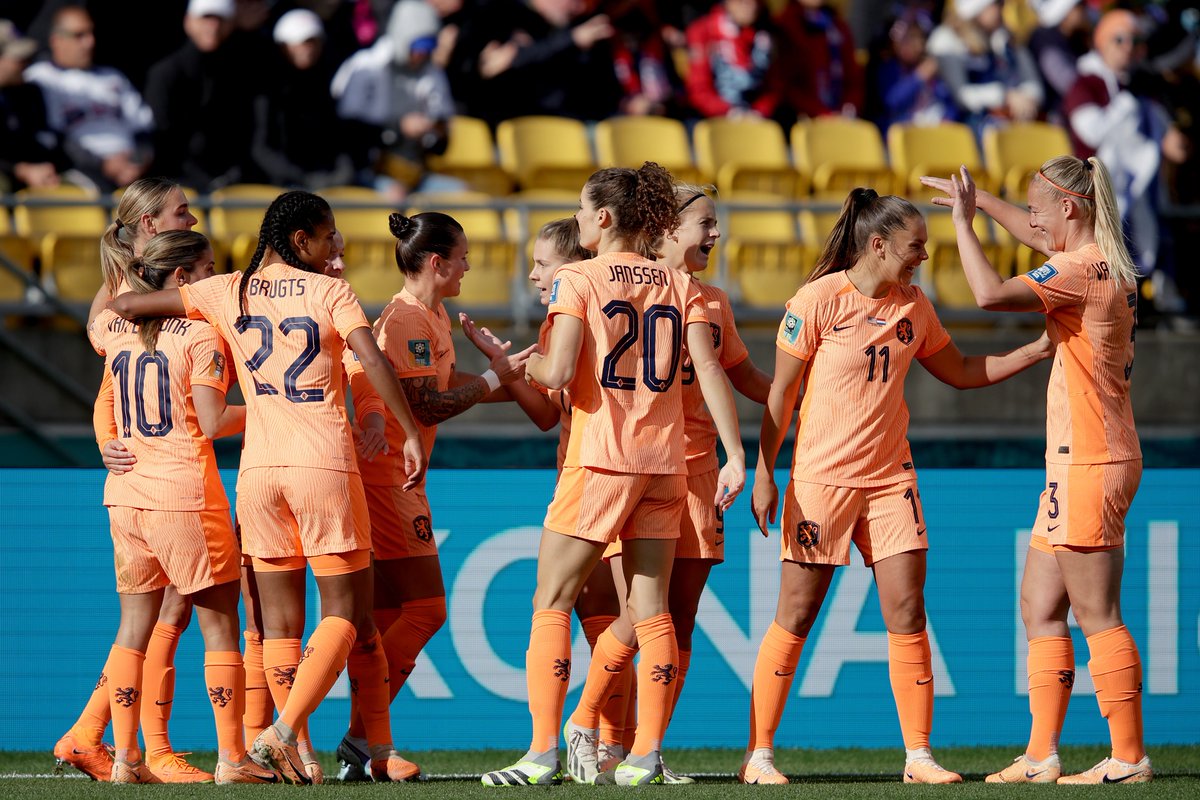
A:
x: 203, y: 101
x: 396, y: 87
x: 906, y: 80
x: 30, y: 154
x: 818, y: 69
x: 730, y: 57
x: 643, y: 60
x: 521, y: 57
x: 294, y: 103
x: 105, y: 124
x: 1131, y: 134
x: 993, y: 78
x: 1062, y: 36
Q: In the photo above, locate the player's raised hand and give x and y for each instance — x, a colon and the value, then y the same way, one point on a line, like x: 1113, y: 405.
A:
x: 730, y: 483
x: 962, y: 197
x: 372, y: 440
x: 414, y: 462
x: 116, y: 457
x: 764, y: 501
x: 941, y: 185
x: 484, y: 340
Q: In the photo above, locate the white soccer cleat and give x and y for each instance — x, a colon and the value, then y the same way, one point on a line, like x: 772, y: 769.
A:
x: 534, y: 769
x: 583, y: 762
x: 759, y: 768
x: 1113, y: 770
x: 1025, y: 770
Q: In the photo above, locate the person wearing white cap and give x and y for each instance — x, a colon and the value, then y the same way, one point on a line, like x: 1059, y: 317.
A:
x: 1059, y: 40
x: 992, y: 77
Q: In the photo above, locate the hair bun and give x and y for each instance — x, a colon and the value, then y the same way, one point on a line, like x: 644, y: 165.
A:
x: 399, y: 224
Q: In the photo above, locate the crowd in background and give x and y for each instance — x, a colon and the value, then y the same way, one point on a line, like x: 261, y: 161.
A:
x: 316, y: 93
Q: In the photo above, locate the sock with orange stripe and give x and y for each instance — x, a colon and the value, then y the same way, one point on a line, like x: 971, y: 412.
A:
x: 89, y: 728
x: 1051, y: 667
x: 368, y: 668
x: 595, y: 625
x: 548, y: 672
x: 124, y: 672
x: 225, y: 677
x: 774, y: 671
x: 657, y: 672
x: 609, y: 659
x: 1116, y: 669
x: 629, y: 732
x: 158, y: 693
x: 910, y: 667
x: 260, y: 707
x: 685, y: 661
x: 323, y: 660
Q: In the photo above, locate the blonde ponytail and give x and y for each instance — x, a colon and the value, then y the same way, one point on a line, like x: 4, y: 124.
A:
x: 1110, y: 235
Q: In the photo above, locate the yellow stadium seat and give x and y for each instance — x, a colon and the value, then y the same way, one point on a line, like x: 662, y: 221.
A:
x: 936, y: 150
x: 71, y: 266
x: 763, y: 251
x: 373, y: 280
x: 488, y: 284
x: 839, y: 154
x: 64, y: 226
x: 1015, y: 152
x: 746, y: 155
x: 235, y: 216
x: 545, y: 152
x: 534, y: 208
x: 361, y: 215
x: 628, y: 141
x: 471, y: 157
x: 16, y: 252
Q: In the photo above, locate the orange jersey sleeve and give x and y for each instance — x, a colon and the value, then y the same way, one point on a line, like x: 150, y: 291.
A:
x: 700, y: 432
x: 155, y: 417
x: 627, y: 393
x: 418, y: 344
x: 103, y: 417
x: 287, y: 349
x: 1092, y: 319
x: 853, y: 419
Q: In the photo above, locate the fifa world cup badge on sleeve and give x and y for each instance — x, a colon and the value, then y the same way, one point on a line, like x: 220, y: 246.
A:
x: 419, y: 350
x: 791, y: 327
x: 1043, y: 273
x: 216, y: 370
x: 554, y: 291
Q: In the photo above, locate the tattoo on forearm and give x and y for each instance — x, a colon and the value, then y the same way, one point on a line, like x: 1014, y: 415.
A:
x: 431, y: 406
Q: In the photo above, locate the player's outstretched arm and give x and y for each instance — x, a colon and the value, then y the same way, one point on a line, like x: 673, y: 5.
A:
x: 555, y: 368
x: 216, y: 417
x: 380, y: 373
x: 777, y: 418
x: 719, y: 399
x: 951, y: 367
x: 750, y: 381
x: 163, y: 303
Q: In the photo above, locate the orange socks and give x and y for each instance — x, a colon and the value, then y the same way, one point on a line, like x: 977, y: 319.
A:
x: 124, y: 670
x: 369, y: 690
x: 774, y: 671
x: 1051, y: 667
x: 910, y: 667
x: 614, y: 712
x: 385, y: 618
x: 629, y: 733
x: 89, y: 728
x: 323, y: 660
x: 281, y: 658
x: 225, y: 678
x: 260, y: 708
x: 158, y: 681
x: 658, y: 669
x: 594, y: 626
x: 685, y: 661
x: 609, y: 659
x: 1116, y: 670
x: 548, y: 671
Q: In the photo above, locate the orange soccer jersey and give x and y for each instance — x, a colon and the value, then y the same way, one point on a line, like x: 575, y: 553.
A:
x: 1090, y: 316
x: 154, y: 415
x: 627, y: 390
x: 853, y: 418
x: 287, y: 350
x: 699, y: 431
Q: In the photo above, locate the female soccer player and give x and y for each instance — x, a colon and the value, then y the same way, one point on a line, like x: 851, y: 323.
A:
x: 148, y: 206
x: 299, y: 498
x: 850, y: 334
x: 618, y: 324
x: 1076, y: 557
x: 413, y: 332
x: 701, y: 542
x: 169, y: 514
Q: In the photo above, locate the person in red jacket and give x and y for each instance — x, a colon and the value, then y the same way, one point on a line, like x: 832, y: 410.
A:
x: 730, y: 61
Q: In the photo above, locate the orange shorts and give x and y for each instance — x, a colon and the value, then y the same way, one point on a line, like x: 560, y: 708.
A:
x: 328, y: 564
x: 301, y: 511
x: 602, y: 506
x: 191, y: 550
x: 1083, y: 506
x: 401, y: 526
x: 820, y: 522
x: 701, y: 526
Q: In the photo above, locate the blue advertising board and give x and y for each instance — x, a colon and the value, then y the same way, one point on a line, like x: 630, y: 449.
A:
x: 58, y: 615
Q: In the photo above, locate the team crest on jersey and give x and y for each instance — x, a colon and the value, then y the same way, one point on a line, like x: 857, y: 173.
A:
x: 1043, y: 273
x: 423, y: 528
x: 904, y: 330
x: 216, y: 370
x: 808, y: 533
x: 420, y: 352
x: 791, y: 327
x: 554, y: 291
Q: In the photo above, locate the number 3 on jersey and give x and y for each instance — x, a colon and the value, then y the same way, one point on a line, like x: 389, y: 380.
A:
x: 648, y: 322
x: 312, y: 346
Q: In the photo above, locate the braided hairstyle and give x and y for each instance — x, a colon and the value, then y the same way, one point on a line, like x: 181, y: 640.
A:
x: 641, y: 200
x: 289, y: 212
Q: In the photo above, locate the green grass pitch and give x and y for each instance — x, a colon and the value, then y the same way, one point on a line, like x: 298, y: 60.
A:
x: 866, y: 774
